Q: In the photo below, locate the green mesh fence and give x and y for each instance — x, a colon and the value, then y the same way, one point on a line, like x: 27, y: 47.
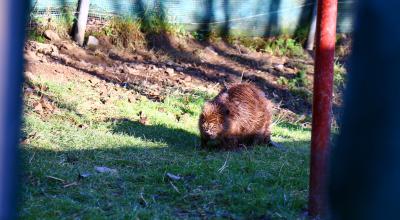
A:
x: 248, y: 17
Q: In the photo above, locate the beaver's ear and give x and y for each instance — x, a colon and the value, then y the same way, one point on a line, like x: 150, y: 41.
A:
x: 223, y: 97
x: 208, y: 107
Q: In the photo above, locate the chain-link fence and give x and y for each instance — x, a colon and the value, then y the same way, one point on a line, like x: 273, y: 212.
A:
x: 250, y: 17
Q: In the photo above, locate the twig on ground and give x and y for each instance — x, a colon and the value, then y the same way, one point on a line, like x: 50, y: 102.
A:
x: 30, y: 160
x: 175, y: 188
x: 70, y: 184
x: 55, y: 178
x: 224, y: 165
x: 142, y: 198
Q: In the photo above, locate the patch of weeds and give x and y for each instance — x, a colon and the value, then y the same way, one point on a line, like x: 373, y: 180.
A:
x: 35, y: 36
x: 279, y: 46
x: 339, y: 76
x: 301, y: 34
x: 211, y: 36
x: 62, y: 24
x: 300, y: 80
x: 252, y: 43
x: 297, y: 85
x: 124, y: 32
x: 199, y: 36
x: 128, y: 32
x: 156, y: 22
x: 283, y: 46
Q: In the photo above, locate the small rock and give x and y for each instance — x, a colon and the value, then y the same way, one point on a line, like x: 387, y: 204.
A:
x: 211, y: 50
x: 138, y: 67
x: 170, y: 71
x: 29, y: 91
x: 92, y: 42
x: 30, y: 56
x: 113, y: 54
x: 51, y: 35
x: 170, y: 63
x: 83, y: 126
x: 126, y: 69
x: 143, y: 119
x: 131, y: 99
x: 37, y: 107
x: 188, y: 78
x: 279, y: 67
x: 153, y: 67
x: 180, y: 69
x: 54, y: 53
x: 29, y: 75
x: 43, y: 60
x: 65, y: 45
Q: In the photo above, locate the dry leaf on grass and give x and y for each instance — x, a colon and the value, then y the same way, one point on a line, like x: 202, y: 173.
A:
x: 105, y: 170
x: 173, y: 177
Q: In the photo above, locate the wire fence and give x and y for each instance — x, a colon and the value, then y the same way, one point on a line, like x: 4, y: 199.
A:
x: 250, y: 17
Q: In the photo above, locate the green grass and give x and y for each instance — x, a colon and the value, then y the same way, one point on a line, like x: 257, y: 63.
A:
x: 278, y: 46
x: 61, y: 24
x: 35, y: 36
x: 339, y: 76
x: 297, y: 85
x: 283, y: 46
x: 261, y: 182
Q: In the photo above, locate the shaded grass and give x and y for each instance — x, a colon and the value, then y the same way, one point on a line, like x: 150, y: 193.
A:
x: 256, y: 183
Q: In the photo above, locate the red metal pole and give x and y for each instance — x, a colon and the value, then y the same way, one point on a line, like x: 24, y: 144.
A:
x: 322, y: 105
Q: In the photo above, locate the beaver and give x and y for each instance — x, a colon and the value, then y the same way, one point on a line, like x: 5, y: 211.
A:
x: 240, y: 115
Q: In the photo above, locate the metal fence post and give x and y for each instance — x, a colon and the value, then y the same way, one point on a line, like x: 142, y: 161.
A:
x: 79, y: 35
x: 322, y: 105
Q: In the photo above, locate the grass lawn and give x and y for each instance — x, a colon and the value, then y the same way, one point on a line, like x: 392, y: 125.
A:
x: 62, y: 147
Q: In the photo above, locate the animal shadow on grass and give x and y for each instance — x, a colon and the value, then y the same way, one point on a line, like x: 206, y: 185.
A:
x: 173, y: 137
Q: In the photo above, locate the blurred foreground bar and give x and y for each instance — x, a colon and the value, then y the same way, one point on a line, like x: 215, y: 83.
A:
x: 365, y: 168
x: 12, y: 28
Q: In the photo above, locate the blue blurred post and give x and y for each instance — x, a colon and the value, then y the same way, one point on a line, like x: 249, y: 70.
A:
x: 12, y: 27
x: 365, y: 174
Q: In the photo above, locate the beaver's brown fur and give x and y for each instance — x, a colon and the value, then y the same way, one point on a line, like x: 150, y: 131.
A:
x: 238, y: 115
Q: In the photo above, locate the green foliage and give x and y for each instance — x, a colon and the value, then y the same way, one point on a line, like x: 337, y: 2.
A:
x: 283, y: 46
x: 124, y: 32
x: 35, y: 36
x: 199, y: 35
x: 210, y: 36
x: 155, y: 22
x: 339, y: 75
x: 300, y: 80
x: 301, y: 34
x: 128, y: 32
x: 298, y: 84
x: 61, y: 24
x: 279, y: 46
x: 253, y: 43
